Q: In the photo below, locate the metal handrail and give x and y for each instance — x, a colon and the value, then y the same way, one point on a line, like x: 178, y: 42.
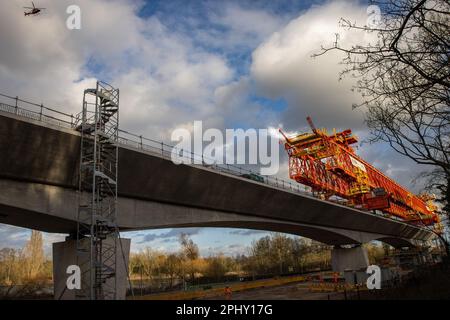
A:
x: 140, y: 142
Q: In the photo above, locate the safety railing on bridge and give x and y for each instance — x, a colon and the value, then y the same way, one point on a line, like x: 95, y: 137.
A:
x: 164, y: 150
x: 37, y: 112
x: 41, y: 113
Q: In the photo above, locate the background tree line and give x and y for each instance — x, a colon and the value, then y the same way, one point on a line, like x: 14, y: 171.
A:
x: 28, y: 270
x: 272, y: 255
x: 19, y: 266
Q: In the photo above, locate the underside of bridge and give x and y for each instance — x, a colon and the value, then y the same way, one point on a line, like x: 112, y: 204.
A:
x: 53, y: 209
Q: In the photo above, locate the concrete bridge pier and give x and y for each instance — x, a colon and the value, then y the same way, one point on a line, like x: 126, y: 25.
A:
x: 65, y: 255
x: 354, y: 258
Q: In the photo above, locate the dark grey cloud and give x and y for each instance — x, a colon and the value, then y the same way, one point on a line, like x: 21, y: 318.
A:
x: 245, y: 232
x: 171, y: 235
x: 227, y: 250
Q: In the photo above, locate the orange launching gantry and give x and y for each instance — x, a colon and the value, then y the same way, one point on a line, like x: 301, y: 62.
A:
x: 329, y: 165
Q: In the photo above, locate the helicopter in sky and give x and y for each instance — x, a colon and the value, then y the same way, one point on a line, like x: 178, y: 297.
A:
x: 33, y: 10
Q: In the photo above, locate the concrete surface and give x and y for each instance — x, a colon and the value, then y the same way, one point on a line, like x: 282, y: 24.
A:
x: 65, y: 254
x: 349, y: 258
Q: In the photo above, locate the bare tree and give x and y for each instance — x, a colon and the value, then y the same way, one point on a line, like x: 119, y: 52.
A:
x: 299, y: 251
x: 34, y: 255
x: 403, y: 76
x: 281, y: 251
x: 172, y: 267
x: 8, y: 266
x: 190, y: 252
x: 217, y: 267
x: 147, y: 262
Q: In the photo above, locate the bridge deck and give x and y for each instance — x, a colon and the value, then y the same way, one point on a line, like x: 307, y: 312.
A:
x: 46, y: 154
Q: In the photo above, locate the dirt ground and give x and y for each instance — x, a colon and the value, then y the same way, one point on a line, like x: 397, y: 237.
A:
x: 296, y: 291
x: 426, y: 283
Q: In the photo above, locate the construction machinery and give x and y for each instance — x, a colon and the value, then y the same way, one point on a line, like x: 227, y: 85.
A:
x: 329, y: 165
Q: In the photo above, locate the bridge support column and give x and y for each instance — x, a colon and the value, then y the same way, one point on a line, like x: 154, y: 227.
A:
x: 349, y: 258
x: 65, y: 254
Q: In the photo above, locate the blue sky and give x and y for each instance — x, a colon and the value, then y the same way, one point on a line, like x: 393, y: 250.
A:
x: 228, y: 63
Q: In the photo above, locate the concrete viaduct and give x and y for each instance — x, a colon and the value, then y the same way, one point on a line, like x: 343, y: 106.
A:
x: 39, y: 164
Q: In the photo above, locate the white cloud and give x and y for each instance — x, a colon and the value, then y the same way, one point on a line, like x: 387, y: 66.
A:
x: 283, y: 67
x: 164, y: 79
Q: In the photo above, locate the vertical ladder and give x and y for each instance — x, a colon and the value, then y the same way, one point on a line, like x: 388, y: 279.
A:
x: 97, y: 232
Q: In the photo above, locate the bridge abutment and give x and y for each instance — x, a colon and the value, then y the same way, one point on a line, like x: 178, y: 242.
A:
x: 354, y: 258
x: 65, y: 255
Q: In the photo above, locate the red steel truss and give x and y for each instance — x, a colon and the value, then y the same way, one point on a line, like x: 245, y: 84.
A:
x: 329, y: 165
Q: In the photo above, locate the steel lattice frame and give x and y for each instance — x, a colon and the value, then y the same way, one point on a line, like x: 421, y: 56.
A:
x: 330, y: 166
x: 97, y: 234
